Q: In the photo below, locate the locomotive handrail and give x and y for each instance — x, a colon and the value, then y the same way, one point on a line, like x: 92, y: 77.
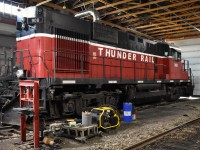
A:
x: 189, y: 71
x: 192, y: 77
x: 69, y: 51
x: 48, y: 72
x: 62, y: 52
x: 31, y: 61
x: 145, y: 68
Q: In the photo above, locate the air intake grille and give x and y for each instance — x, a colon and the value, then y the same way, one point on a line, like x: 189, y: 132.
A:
x: 72, y: 51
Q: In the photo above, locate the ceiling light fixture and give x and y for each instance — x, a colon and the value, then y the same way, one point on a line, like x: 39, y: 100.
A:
x: 64, y: 6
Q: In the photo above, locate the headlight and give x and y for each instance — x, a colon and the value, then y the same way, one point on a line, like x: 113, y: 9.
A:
x: 19, y: 73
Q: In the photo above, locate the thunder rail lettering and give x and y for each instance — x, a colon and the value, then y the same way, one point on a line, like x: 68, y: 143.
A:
x: 124, y: 55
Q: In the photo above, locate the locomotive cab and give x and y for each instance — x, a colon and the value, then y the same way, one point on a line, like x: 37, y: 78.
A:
x: 175, y: 66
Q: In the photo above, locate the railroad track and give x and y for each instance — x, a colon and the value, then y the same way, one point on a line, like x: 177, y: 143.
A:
x: 163, y: 140
x: 7, y: 132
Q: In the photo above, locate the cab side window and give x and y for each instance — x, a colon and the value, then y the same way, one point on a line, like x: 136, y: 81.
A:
x: 175, y: 55
x: 179, y: 56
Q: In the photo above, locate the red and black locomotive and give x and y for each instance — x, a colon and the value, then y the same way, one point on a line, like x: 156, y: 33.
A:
x: 82, y: 64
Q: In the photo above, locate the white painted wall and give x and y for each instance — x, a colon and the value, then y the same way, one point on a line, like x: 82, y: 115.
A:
x: 191, y: 51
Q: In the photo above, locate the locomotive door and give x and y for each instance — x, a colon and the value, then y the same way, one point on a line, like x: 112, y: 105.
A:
x: 159, y: 68
x: 155, y: 68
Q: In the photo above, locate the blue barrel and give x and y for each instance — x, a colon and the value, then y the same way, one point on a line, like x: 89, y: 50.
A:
x: 127, y: 107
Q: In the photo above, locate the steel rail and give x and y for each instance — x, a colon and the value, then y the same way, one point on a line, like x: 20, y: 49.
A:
x: 159, y: 136
x: 5, y: 127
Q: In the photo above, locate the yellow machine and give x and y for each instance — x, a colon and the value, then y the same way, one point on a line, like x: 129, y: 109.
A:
x: 105, y: 117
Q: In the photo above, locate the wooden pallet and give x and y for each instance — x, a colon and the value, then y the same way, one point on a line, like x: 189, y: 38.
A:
x: 81, y: 133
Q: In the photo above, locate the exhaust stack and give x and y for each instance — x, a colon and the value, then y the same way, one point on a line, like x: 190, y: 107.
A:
x: 89, y: 12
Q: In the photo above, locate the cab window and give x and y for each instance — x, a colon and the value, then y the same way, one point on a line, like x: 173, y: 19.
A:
x: 179, y: 56
x: 175, y: 54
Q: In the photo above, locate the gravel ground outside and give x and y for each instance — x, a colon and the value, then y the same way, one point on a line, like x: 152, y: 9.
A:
x: 149, y: 122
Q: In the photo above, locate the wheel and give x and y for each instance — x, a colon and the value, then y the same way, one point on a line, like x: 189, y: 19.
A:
x: 100, y: 133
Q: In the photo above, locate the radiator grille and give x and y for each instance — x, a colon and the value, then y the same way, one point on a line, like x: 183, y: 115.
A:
x: 72, y: 51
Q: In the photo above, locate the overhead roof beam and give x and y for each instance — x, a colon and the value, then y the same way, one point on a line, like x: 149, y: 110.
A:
x: 181, y: 38
x: 62, y: 1
x: 52, y: 5
x: 85, y: 3
x: 157, y: 19
x: 154, y: 9
x: 180, y: 35
x: 175, y: 11
x: 172, y: 32
x: 107, y: 3
x: 164, y: 23
x: 174, y: 29
x: 113, y: 4
x: 141, y: 22
x: 166, y: 27
x: 133, y: 7
x: 185, y: 21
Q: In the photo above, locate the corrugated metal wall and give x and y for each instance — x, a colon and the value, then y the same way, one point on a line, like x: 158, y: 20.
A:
x: 7, y: 45
x: 191, y: 51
